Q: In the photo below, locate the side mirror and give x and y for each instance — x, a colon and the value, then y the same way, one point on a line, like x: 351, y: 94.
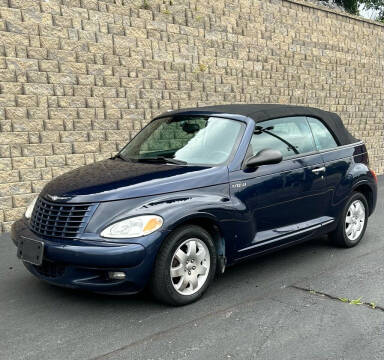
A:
x: 265, y: 157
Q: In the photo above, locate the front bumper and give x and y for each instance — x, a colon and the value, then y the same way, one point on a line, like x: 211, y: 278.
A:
x: 77, y: 263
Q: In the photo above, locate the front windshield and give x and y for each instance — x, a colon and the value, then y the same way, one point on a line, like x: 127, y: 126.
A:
x: 185, y: 140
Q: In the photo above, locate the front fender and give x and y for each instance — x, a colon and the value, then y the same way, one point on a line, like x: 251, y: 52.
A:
x: 210, y: 204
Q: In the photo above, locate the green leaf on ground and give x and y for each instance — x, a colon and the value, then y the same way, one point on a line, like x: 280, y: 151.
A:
x: 356, y: 301
x: 343, y: 299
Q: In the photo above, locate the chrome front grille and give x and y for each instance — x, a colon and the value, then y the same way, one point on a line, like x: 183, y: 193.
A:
x: 60, y: 220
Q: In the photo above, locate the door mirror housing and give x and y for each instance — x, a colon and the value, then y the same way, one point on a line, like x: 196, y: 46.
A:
x: 265, y: 157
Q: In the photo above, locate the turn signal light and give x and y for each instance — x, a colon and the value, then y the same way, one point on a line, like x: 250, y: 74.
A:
x: 374, y: 175
x: 153, y: 224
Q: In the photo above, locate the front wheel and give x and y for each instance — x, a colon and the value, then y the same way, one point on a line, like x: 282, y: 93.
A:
x: 353, y: 222
x: 185, y: 266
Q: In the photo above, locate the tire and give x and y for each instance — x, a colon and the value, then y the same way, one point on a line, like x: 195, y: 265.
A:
x: 193, y: 280
x: 343, y: 235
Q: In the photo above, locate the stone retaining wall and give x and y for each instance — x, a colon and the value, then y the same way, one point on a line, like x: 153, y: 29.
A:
x: 79, y: 78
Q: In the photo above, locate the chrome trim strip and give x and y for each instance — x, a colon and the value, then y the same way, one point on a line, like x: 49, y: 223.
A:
x: 287, y: 236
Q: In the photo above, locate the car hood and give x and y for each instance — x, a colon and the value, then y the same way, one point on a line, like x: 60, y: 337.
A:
x: 116, y: 179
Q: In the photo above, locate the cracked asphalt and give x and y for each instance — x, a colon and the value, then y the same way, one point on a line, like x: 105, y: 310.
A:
x: 281, y: 306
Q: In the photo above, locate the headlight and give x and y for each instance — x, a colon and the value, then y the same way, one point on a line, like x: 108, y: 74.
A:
x: 28, y: 212
x: 133, y: 227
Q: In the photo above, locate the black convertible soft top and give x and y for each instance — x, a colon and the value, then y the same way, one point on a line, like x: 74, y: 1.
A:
x: 263, y: 112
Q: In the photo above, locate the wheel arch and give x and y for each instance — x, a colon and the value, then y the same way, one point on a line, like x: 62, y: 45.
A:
x: 209, y: 223
x: 365, y: 189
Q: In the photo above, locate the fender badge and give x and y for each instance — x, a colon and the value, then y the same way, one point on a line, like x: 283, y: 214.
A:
x: 239, y: 185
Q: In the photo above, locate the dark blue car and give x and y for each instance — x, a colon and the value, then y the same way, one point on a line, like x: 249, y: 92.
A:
x: 195, y: 191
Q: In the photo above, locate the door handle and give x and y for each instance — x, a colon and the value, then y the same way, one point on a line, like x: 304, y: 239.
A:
x: 319, y: 170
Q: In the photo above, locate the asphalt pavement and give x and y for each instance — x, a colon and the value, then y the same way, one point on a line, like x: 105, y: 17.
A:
x: 311, y: 301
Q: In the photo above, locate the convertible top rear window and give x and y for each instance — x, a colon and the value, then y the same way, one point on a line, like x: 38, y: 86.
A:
x: 323, y: 138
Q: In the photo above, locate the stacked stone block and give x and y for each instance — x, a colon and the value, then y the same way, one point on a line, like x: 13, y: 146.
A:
x: 79, y: 78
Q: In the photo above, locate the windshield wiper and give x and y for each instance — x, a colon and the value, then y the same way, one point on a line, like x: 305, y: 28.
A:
x: 165, y: 160
x: 173, y: 161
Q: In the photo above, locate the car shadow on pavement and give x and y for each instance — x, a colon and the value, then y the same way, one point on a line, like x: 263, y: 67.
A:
x: 77, y: 295
x: 252, y: 271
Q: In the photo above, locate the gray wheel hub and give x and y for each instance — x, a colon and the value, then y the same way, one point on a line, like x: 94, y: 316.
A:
x: 355, y: 220
x: 190, y: 266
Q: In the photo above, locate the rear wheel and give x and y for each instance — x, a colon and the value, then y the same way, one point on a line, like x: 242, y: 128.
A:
x: 184, y: 267
x: 353, y: 222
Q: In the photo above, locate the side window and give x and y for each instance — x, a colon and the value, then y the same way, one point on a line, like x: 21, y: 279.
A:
x: 323, y: 138
x: 290, y: 135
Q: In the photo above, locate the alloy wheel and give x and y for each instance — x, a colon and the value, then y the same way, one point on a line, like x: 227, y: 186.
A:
x: 355, y: 220
x: 190, y: 266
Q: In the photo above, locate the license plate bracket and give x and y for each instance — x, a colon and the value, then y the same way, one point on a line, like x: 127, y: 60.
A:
x: 30, y: 251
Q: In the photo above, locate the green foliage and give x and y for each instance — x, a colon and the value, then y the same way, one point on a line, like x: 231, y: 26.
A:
x: 352, y: 6
x: 377, y: 5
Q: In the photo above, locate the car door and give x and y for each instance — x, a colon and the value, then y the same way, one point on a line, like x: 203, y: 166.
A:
x: 337, y: 162
x: 284, y: 201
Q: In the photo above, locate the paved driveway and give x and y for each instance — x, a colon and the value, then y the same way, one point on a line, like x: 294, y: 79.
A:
x: 282, y: 306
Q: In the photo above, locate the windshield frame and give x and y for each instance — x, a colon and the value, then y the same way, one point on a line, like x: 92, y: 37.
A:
x: 190, y: 115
